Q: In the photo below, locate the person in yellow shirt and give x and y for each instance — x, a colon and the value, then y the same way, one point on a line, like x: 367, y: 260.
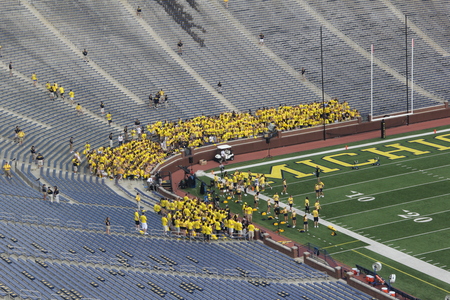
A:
x: 71, y: 97
x: 307, y: 205
x: 321, y: 185
x: 276, y: 199
x: 305, y: 222
x: 138, y: 201
x: 34, y: 79
x: 20, y: 136
x: 61, y: 92
x: 251, y: 232
x: 294, y: 219
x: 109, y: 118
x: 317, y: 205
x: 315, y: 214
x: 317, y: 190
x: 249, y: 211
x: 157, y: 208
x: 238, y: 228
x: 165, y: 222
x: 143, y: 220
x: 136, y: 219
x: 290, y: 202
x: 269, y: 206
x: 79, y: 109
x: 208, y: 232
x: 7, y: 169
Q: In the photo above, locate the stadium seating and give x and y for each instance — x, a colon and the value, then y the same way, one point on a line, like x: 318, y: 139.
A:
x: 60, y: 251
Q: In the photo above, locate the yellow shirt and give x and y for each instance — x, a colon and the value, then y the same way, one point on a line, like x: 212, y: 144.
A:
x: 71, y: 94
x: 315, y: 213
x: 251, y: 227
x: 7, y: 167
x: 143, y: 219
x: 136, y: 216
x: 138, y: 198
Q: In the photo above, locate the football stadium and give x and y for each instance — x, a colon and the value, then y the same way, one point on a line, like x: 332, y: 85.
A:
x: 224, y: 149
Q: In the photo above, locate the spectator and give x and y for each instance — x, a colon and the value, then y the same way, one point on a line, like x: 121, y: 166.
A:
x: 71, y: 97
x: 85, y: 54
x: 138, y: 11
x: 71, y: 144
x: 75, y: 164
x: 33, y: 154
x: 20, y: 137
x: 180, y: 47
x: 34, y: 79
x: 120, y: 139
x: 108, y: 225
x: 79, y: 109
x: 138, y: 201
x: 44, y: 192
x: 261, y: 39
x: 10, y: 68
x: 109, y: 118
x: 143, y: 221
x: 7, y: 169
x: 61, y: 92
x: 136, y: 219
x: 219, y: 87
x: 102, y: 108
x: 110, y: 137
x: 40, y: 160
x: 55, y: 194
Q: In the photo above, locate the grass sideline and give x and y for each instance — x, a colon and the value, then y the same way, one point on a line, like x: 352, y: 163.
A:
x: 398, y: 182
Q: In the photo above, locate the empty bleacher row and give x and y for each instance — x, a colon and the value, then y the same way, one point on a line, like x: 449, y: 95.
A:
x: 72, y: 280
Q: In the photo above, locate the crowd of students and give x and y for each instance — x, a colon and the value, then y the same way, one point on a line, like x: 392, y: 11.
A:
x: 138, y: 155
x: 192, y: 217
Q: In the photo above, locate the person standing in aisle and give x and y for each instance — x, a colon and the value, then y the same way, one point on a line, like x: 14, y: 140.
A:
x: 34, y: 79
x: 33, y: 154
x: 180, y: 47
x: 110, y: 140
x: 71, y: 144
x: 71, y: 97
x: 108, y: 225
x: 85, y: 54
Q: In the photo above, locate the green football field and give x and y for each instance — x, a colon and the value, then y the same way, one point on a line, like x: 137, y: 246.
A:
x: 403, y: 203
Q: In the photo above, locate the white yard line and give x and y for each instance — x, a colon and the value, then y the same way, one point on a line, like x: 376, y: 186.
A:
x: 433, y: 252
x: 383, y: 192
x: 416, y: 235
x: 393, y: 205
x: 398, y: 221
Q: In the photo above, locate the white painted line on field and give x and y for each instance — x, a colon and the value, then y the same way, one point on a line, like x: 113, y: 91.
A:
x: 402, y: 220
x: 416, y: 235
x: 385, y: 191
x: 432, y: 251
